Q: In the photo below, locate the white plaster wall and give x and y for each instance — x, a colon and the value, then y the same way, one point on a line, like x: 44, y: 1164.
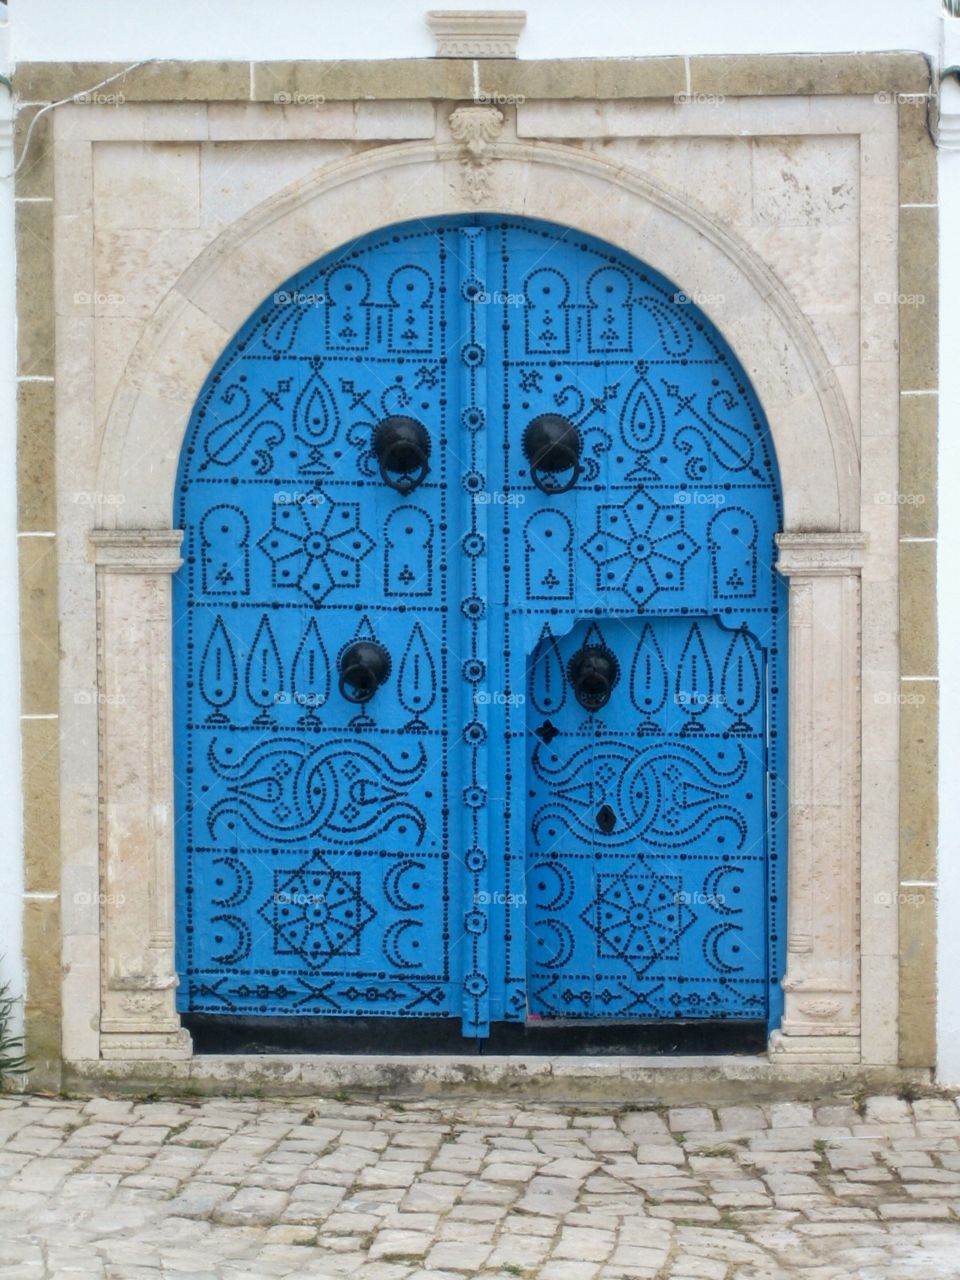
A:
x: 101, y: 30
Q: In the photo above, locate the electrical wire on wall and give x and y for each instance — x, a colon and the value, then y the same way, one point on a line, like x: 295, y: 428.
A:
x: 75, y: 97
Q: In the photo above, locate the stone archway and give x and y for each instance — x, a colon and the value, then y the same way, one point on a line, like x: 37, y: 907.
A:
x: 136, y: 549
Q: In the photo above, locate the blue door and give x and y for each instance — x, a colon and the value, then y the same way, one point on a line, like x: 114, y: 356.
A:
x: 478, y: 647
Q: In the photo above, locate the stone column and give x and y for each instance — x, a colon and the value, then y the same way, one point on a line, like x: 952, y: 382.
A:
x: 821, y: 1019
x: 138, y: 1014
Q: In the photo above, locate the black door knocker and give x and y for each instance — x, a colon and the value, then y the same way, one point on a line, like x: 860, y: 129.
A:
x: 552, y: 446
x: 606, y: 819
x: 593, y: 671
x: 402, y: 446
x: 364, y: 665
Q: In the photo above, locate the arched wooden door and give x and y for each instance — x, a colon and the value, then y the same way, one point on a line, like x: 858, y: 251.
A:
x: 479, y: 648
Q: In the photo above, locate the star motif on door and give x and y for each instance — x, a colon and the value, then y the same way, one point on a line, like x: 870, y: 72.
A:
x: 316, y: 545
x: 638, y: 915
x: 317, y: 912
x: 640, y: 548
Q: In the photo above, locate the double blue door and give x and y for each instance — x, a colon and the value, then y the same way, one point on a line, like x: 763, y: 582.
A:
x: 479, y: 647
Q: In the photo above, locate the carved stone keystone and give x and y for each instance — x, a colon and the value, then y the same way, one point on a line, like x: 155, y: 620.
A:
x: 475, y: 128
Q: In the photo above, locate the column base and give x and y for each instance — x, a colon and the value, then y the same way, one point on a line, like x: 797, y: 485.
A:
x: 163, y: 1045
x: 785, y: 1050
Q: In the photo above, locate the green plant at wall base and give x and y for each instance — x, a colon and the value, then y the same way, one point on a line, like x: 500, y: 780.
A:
x: 12, y: 1062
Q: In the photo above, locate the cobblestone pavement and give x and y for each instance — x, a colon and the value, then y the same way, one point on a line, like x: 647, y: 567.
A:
x: 230, y: 1188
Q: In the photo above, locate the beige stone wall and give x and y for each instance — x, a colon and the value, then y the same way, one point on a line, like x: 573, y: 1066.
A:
x: 795, y: 194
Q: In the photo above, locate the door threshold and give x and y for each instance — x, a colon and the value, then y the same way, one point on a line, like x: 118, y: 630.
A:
x: 635, y: 1080
x: 434, y: 1037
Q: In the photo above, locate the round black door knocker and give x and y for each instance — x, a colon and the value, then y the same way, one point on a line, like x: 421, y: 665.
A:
x: 593, y: 671
x: 402, y: 446
x: 606, y: 819
x: 364, y: 666
x: 552, y: 446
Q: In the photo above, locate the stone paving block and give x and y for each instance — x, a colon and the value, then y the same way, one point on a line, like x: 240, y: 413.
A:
x: 151, y: 1181
x: 562, y: 1269
x: 569, y: 1168
x: 886, y: 1110
x: 400, y: 1244
x: 604, y: 1140
x: 491, y: 1193
x: 108, y: 1109
x: 899, y: 1159
x: 938, y: 1128
x: 698, y: 1269
x: 34, y: 1146
x: 500, y: 1172
x: 879, y: 1174
x: 252, y: 1206
x: 741, y: 1119
x: 526, y: 1225
x: 199, y: 1199
x: 931, y: 1209
x: 388, y: 1174
x: 512, y: 1251
x: 459, y: 1256
x: 638, y: 1255
x: 740, y: 1200
x: 43, y: 1175
x: 935, y: 1109
x: 585, y: 1243
x: 690, y: 1119
x: 636, y: 1123
x: 791, y: 1184
x: 659, y: 1153
x: 791, y: 1115
x: 842, y: 1115
x: 686, y: 1212
x: 599, y: 1121
x: 540, y: 1120
x: 144, y: 1135
x: 923, y: 1174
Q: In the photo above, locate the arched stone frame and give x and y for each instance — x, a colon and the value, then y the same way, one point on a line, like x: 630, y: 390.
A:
x: 821, y: 550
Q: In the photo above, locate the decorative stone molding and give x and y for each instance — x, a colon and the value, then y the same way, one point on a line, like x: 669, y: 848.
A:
x: 138, y: 1013
x: 137, y: 550
x: 130, y: 446
x: 476, y: 33
x: 475, y: 128
x: 822, y: 978
x: 809, y: 555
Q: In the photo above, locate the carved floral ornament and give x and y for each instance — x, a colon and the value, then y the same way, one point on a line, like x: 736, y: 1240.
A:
x: 476, y: 128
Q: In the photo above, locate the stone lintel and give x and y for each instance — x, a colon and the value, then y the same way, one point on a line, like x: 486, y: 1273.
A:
x: 734, y: 75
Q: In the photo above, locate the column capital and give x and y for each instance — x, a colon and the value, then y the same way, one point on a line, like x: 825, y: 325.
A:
x: 137, y: 550
x: 809, y: 555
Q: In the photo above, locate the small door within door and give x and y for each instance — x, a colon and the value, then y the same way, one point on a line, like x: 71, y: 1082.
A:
x: 478, y: 649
